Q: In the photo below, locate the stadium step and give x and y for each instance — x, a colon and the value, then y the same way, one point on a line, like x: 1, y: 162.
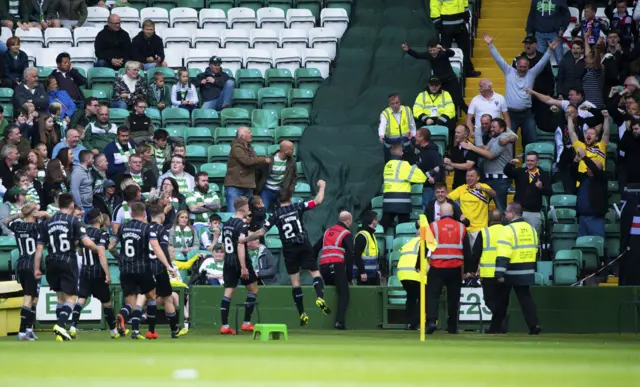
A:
x: 503, y: 23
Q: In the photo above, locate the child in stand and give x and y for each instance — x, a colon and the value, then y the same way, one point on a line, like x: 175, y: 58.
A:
x: 212, y: 235
x: 159, y: 94
x: 42, y: 149
x: 55, y: 109
x: 183, y: 93
x: 212, y: 266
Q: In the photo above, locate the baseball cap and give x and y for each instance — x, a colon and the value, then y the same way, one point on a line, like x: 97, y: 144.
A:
x: 108, y: 183
x: 215, y: 59
x: 434, y: 81
x: 217, y: 246
x: 530, y: 39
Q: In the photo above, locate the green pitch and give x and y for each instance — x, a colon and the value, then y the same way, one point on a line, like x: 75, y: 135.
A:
x: 318, y: 358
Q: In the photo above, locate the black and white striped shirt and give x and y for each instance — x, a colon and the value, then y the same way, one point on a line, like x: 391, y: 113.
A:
x: 288, y: 219
x: 163, y: 239
x: 26, y: 234
x: 60, y: 234
x: 231, y: 232
x: 134, y: 237
x: 91, y: 268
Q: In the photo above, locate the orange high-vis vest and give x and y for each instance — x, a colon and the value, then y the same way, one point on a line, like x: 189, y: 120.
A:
x: 332, y: 250
x: 450, y: 235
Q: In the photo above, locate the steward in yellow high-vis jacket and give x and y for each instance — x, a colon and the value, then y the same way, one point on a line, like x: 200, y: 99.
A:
x: 396, y: 122
x: 409, y: 277
x: 517, y: 251
x: 435, y: 106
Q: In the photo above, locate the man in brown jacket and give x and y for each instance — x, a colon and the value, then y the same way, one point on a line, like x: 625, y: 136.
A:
x: 280, y: 175
x: 241, y: 175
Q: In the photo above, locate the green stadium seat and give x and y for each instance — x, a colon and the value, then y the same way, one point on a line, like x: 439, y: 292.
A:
x: 262, y: 136
x: 154, y: 114
x: 15, y: 254
x: 5, y: 95
x: 295, y: 117
x: 376, y: 202
x: 193, y: 73
x: 344, y: 4
x: 245, y: 99
x: 611, y: 169
x: 290, y: 133
x: 249, y: 79
x: 545, y: 165
x: 563, y: 201
x: 117, y: 116
x: 281, y: 4
x: 225, y: 135
x: 205, y: 117
x: 218, y: 153
x: 312, y: 5
x: 175, y: 116
x: 196, y: 4
x: 114, y: 271
x: 272, y: 98
x: 564, y: 215
x: 44, y: 72
x: 566, y: 267
x: 406, y: 229
x: 396, y: 296
x: 592, y: 248
x: 400, y: 241
x: 196, y: 155
x: 303, y: 190
x: 308, y: 79
x: 235, y: 117
x: 300, y: 170
x: 177, y: 133
x: 170, y: 78
x: 264, y: 118
x: 439, y: 135
x: 612, y: 151
x: 394, y: 258
x: 279, y: 78
x: 200, y: 135
x: 557, y: 188
x: 228, y: 72
x: 612, y: 239
x: 101, y: 95
x: 611, y: 217
x: 545, y: 150
x: 216, y: 172
x: 301, y: 98
x: 253, y: 4
x: 545, y: 136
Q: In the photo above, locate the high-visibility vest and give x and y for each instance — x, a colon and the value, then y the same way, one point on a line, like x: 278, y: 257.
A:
x: 369, y: 256
x: 490, y: 236
x: 435, y: 107
x: 398, y: 176
x: 450, y: 235
x: 332, y: 250
x: 396, y: 130
x: 517, y: 253
x: 407, y: 264
x: 451, y: 12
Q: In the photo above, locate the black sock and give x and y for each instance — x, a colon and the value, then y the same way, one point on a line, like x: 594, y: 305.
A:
x: 135, y: 319
x: 151, y: 315
x: 32, y: 317
x: 224, y: 310
x: 318, y: 285
x: 109, y: 316
x: 24, y: 318
x: 249, y: 305
x: 58, y: 309
x: 65, y: 313
x: 125, y: 311
x: 75, y: 315
x: 297, y: 298
x: 173, y: 321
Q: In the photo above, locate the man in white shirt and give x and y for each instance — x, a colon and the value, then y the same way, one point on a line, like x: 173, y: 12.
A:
x: 487, y: 102
x: 186, y: 182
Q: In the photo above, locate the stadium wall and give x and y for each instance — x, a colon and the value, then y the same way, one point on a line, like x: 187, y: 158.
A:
x: 561, y: 309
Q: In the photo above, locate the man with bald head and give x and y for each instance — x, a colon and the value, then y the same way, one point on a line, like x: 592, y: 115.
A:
x: 336, y: 256
x: 591, y: 204
x: 488, y: 102
x: 112, y: 45
x: 30, y: 91
x: 240, y: 179
x: 446, y: 267
x: 280, y: 174
x: 71, y: 141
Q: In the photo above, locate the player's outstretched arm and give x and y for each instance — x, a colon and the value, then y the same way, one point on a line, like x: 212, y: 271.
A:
x: 320, y: 195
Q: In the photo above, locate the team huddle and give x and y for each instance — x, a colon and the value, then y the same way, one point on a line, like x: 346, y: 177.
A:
x: 145, y: 263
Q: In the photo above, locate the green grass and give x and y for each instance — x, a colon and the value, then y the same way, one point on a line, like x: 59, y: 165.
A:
x: 314, y: 358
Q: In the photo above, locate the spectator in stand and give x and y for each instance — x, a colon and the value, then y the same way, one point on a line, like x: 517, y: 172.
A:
x: 12, y: 136
x: 215, y: 86
x: 531, y: 185
x: 55, y: 182
x: 82, y: 183
x: 72, y: 142
x: 148, y: 161
x: 160, y: 148
x: 66, y: 161
x: 15, y: 61
x: 61, y: 97
x: 68, y: 78
x: 184, y: 238
x: 263, y: 262
x: 497, y: 154
x: 596, y: 151
x: 432, y: 212
x: 112, y: 45
x: 9, y: 13
x: 460, y: 160
x: 565, y: 153
x: 86, y: 116
x: 179, y: 149
x: 33, y: 12
x: 118, y: 152
x: 70, y: 13
x: 106, y: 199
x: 547, y: 21
x: 488, y: 103
x: 213, y: 234
x: 99, y: 171
x: 590, y: 23
x: 622, y: 103
x: 34, y: 186
x: 439, y: 56
x: 428, y: 158
x: 518, y: 101
x: 171, y: 191
x: 202, y: 201
x: 622, y: 22
x: 591, y: 204
x: 139, y: 124
x: 571, y: 69
x: 3, y: 121
x: 434, y: 106
x: 586, y: 110
x: 212, y: 267
x: 545, y: 82
x: 129, y: 87
x: 159, y: 93
x: 185, y: 181
x: 36, y: 159
x: 240, y: 179
x: 14, y: 199
x: 46, y: 134
x: 146, y: 180
x: 615, y: 61
x: 184, y: 94
x: 98, y: 134
x: 281, y: 174
x: 122, y: 212
x: 593, y: 78
x: 9, y: 164
x: 147, y: 47
x: 30, y: 91
x: 629, y: 148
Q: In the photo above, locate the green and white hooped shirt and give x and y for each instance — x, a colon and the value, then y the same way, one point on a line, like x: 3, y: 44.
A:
x: 197, y: 198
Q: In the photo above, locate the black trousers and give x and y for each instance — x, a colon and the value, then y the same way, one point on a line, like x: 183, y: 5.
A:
x: 437, y: 278
x: 412, y: 305
x: 453, y: 87
x: 335, y: 274
x: 388, y: 218
x: 494, y: 297
x: 527, y: 305
x: 459, y: 33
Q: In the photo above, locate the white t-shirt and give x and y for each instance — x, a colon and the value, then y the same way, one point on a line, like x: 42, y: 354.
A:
x: 480, y: 106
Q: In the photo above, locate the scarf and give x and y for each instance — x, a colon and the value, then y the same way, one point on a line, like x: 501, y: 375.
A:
x: 52, y: 209
x: 182, y: 91
x: 533, y: 175
x: 157, y: 92
x: 183, y: 238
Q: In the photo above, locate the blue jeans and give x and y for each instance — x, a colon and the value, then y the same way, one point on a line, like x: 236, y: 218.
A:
x: 86, y: 211
x: 544, y: 39
x: 591, y: 226
x: 269, y: 197
x: 232, y: 193
x: 501, y: 186
x: 525, y: 121
x: 148, y: 66
x: 119, y: 105
x: 224, y: 98
x: 213, y: 281
x: 427, y: 196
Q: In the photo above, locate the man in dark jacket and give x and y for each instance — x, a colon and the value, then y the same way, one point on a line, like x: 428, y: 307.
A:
x: 548, y: 20
x: 592, y: 200
x: 147, y: 47
x: 86, y: 116
x: 144, y: 179
x: 432, y: 212
x: 107, y: 199
x: 112, y: 45
x: 280, y: 175
x: 30, y: 91
x: 33, y: 12
x: 615, y: 62
x: 428, y: 158
x: 571, y: 69
x: 8, y: 19
x: 69, y: 79
x: 215, y: 86
x: 622, y: 22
